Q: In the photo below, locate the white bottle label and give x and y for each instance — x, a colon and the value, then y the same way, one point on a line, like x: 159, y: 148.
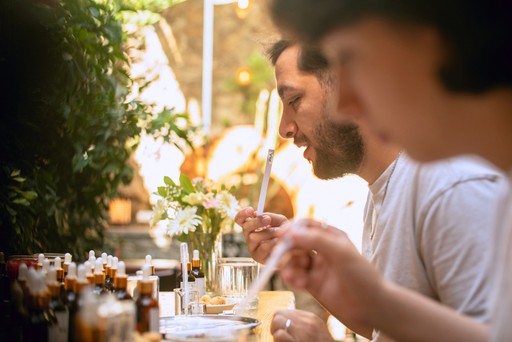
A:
x: 201, y: 286
x: 154, y: 319
x: 191, y: 285
x: 59, y: 331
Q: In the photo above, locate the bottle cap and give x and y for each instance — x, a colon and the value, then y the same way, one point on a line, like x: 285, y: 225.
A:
x: 40, y: 259
x: 104, y: 257
x: 146, y: 272
x: 22, y: 272
x: 46, y: 265
x: 72, y: 270
x: 91, y: 253
x: 57, y: 262
x: 115, y: 262
x: 121, y: 269
x: 148, y: 259
x: 98, y: 266
x: 51, y: 276
x: 195, y: 255
x: 67, y: 258
x: 87, y: 267
x: 109, y: 261
x: 82, y: 273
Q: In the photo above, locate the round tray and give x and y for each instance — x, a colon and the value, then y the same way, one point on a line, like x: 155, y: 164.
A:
x: 206, y: 327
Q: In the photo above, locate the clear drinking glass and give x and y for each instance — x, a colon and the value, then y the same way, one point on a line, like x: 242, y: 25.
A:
x: 235, y: 276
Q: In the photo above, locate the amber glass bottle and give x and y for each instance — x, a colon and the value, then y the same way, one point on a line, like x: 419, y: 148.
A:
x: 99, y: 278
x: 197, y: 272
x: 121, y: 282
x: 58, y: 332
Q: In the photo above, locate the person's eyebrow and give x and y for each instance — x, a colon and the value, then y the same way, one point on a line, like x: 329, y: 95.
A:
x: 281, y: 90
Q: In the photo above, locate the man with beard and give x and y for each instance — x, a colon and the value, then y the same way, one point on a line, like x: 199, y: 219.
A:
x: 425, y: 226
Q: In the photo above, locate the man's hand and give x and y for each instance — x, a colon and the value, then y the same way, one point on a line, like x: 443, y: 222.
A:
x: 298, y: 325
x: 261, y: 232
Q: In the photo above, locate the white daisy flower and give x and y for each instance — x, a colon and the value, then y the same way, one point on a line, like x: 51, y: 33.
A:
x: 228, y: 204
x: 184, y: 221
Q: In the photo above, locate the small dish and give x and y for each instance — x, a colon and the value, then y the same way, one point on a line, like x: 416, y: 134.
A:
x: 218, y: 308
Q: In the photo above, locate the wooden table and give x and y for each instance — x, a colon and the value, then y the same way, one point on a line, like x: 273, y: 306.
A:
x: 268, y: 303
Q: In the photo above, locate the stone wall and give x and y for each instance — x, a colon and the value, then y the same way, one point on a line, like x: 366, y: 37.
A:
x: 235, y: 39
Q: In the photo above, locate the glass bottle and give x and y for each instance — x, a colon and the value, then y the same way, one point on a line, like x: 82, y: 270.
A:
x: 57, y: 264
x: 121, y: 283
x: 197, y: 272
x: 67, y: 261
x: 147, y: 307
x: 191, y: 280
x: 153, y: 277
x: 40, y: 318
x: 99, y: 278
x: 111, y: 273
x: 57, y: 332
x: 76, y: 300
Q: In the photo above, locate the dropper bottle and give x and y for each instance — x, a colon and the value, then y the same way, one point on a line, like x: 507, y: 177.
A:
x: 88, y: 272
x: 69, y: 284
x: 40, y: 259
x: 186, y: 279
x: 197, y: 272
x: 67, y: 260
x: 80, y: 283
x: 108, y: 274
x: 59, y: 331
x: 99, y: 278
x: 111, y: 273
x: 59, y: 271
x: 153, y: 277
x: 148, y: 313
x: 121, y: 282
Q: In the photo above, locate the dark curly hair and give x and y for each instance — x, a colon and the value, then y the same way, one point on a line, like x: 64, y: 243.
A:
x: 477, y: 32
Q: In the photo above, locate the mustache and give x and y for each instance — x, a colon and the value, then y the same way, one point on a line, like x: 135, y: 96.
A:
x: 301, y: 139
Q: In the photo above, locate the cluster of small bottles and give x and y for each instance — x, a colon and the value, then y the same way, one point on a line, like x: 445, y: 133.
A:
x: 51, y: 301
x: 195, y: 276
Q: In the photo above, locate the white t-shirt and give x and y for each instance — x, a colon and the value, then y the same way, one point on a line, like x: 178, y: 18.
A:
x: 501, y: 270
x: 432, y: 229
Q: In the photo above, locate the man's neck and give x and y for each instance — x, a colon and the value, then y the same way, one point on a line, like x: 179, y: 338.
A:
x: 376, y: 160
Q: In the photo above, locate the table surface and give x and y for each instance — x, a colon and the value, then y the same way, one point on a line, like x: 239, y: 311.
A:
x: 268, y: 303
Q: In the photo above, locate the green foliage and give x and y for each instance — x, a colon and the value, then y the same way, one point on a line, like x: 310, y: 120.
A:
x: 262, y: 78
x: 68, y: 126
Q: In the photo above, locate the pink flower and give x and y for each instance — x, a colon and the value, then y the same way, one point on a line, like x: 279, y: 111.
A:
x: 211, y: 203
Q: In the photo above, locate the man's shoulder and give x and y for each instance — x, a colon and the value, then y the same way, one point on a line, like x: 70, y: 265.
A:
x: 458, y: 169
x: 466, y: 172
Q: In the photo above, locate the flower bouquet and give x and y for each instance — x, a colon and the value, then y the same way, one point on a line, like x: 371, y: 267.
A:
x: 196, y: 211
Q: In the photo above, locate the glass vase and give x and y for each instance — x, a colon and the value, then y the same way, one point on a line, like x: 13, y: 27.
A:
x: 209, y: 246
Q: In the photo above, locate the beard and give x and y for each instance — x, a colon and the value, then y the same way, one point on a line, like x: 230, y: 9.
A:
x: 339, y: 149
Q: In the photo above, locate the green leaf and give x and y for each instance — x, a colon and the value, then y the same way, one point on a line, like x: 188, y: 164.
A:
x: 162, y: 191
x: 21, y: 201
x: 29, y: 195
x: 169, y: 181
x: 186, y: 184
